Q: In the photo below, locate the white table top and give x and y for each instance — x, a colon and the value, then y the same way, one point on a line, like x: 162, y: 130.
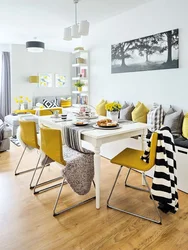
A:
x: 96, y: 133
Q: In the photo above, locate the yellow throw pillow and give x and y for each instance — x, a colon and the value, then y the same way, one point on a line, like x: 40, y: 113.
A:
x: 100, y: 108
x: 185, y: 126
x: 139, y: 114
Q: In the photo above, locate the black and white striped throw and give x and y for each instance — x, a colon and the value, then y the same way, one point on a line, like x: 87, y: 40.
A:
x: 164, y: 185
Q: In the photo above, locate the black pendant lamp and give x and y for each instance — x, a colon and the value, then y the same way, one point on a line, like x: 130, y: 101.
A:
x: 35, y: 46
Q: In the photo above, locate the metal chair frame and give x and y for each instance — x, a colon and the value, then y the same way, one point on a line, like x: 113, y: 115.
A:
x: 137, y: 188
x: 37, y: 185
x: 71, y: 207
x: 60, y: 190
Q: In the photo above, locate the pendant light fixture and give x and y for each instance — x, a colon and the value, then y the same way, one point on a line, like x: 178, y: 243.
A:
x: 35, y: 46
x: 78, y: 29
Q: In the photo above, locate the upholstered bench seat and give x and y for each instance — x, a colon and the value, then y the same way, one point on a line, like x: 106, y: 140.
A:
x: 181, y: 142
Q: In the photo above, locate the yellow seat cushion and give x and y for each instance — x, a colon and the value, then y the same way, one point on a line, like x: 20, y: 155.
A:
x: 131, y: 158
x: 185, y: 126
x: 139, y: 114
x: 25, y: 111
x: 100, y: 108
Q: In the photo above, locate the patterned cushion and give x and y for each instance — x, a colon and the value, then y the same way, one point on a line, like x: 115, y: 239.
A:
x: 155, y: 117
x: 49, y: 104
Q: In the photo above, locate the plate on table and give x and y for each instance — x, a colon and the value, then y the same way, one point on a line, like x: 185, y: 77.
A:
x: 81, y: 123
x: 107, y: 127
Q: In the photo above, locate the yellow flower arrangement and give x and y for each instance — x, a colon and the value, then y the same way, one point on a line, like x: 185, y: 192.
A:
x: 22, y: 99
x: 113, y: 106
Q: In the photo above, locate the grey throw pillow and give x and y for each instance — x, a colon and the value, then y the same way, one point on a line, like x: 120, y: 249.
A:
x: 174, y: 119
x: 125, y: 113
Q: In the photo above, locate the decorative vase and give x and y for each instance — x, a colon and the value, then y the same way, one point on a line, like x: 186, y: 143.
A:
x: 79, y: 89
x: 113, y: 115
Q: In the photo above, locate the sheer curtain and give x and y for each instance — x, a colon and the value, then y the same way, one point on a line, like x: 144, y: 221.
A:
x: 5, y: 85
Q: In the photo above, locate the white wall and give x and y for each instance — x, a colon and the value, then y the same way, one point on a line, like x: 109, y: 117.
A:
x: 5, y: 47
x: 25, y: 64
x: 162, y: 86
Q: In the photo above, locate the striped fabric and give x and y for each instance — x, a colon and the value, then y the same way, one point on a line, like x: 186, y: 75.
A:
x: 72, y: 138
x: 164, y: 185
x: 155, y: 117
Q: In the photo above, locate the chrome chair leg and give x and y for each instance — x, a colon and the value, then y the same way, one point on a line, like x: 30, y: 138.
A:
x: 130, y: 186
x: 69, y: 208
x: 46, y: 182
x: 25, y: 171
x: 17, y: 173
x: 36, y: 167
x: 119, y: 171
x: 134, y: 214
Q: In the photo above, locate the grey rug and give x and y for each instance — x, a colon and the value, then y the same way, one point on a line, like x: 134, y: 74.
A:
x: 15, y: 141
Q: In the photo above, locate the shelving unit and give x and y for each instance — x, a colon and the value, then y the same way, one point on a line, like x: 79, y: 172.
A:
x: 80, y: 72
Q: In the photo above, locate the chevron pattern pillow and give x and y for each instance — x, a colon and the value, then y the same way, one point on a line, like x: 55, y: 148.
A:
x: 49, y: 104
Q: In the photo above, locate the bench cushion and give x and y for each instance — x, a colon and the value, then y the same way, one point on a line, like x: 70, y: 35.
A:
x: 181, y: 142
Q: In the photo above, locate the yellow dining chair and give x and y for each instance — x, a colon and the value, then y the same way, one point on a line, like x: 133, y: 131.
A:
x: 52, y: 147
x: 49, y: 111
x: 28, y: 136
x: 131, y: 158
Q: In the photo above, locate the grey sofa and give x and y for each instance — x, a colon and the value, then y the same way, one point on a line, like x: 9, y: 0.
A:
x: 5, y: 134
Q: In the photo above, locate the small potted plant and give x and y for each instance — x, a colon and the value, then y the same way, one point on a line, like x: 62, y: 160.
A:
x: 113, y: 109
x: 79, y: 85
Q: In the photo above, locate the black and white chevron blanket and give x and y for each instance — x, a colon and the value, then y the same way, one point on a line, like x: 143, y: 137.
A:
x: 164, y: 185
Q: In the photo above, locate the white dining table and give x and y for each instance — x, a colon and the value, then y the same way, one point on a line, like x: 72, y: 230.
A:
x: 98, y: 137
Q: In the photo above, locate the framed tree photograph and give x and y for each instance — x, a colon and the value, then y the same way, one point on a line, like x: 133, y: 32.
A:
x: 155, y: 52
x: 45, y: 80
x: 60, y: 80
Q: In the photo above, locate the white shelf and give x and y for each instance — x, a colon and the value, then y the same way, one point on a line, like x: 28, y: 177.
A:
x: 77, y: 65
x: 80, y: 78
x: 79, y: 92
x: 79, y: 51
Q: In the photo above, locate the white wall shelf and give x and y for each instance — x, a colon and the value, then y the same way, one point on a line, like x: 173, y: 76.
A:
x: 79, y: 51
x: 79, y: 78
x: 78, y: 65
x: 80, y: 72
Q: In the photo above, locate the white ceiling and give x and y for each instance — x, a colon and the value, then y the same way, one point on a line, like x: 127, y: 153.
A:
x: 21, y: 20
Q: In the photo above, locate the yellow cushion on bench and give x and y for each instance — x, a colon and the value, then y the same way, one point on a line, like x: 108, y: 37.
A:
x: 100, y: 108
x: 139, y: 114
x: 185, y: 126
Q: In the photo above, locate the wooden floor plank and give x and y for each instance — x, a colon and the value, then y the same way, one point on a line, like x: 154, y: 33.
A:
x: 27, y: 223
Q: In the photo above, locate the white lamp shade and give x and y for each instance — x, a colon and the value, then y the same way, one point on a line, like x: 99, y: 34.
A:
x: 75, y: 31
x: 84, y: 28
x: 67, y: 34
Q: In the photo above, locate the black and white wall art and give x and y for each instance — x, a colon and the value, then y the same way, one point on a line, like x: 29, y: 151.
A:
x: 159, y: 51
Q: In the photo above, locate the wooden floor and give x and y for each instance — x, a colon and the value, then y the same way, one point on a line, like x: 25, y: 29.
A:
x: 26, y: 221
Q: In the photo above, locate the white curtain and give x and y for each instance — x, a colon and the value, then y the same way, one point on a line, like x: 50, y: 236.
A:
x: 5, y: 85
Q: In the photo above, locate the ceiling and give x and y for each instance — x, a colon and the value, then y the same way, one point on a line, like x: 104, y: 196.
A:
x: 22, y: 20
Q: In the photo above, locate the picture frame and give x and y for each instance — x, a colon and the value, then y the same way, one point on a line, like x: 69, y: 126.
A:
x: 60, y: 80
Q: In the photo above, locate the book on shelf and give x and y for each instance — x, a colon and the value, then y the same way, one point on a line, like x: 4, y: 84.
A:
x: 82, y: 99
x: 83, y: 72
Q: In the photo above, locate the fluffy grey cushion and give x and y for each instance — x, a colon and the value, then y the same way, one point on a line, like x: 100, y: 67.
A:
x: 125, y: 113
x: 174, y: 119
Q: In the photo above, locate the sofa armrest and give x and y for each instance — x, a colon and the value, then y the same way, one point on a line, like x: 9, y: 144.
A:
x: 7, y: 132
